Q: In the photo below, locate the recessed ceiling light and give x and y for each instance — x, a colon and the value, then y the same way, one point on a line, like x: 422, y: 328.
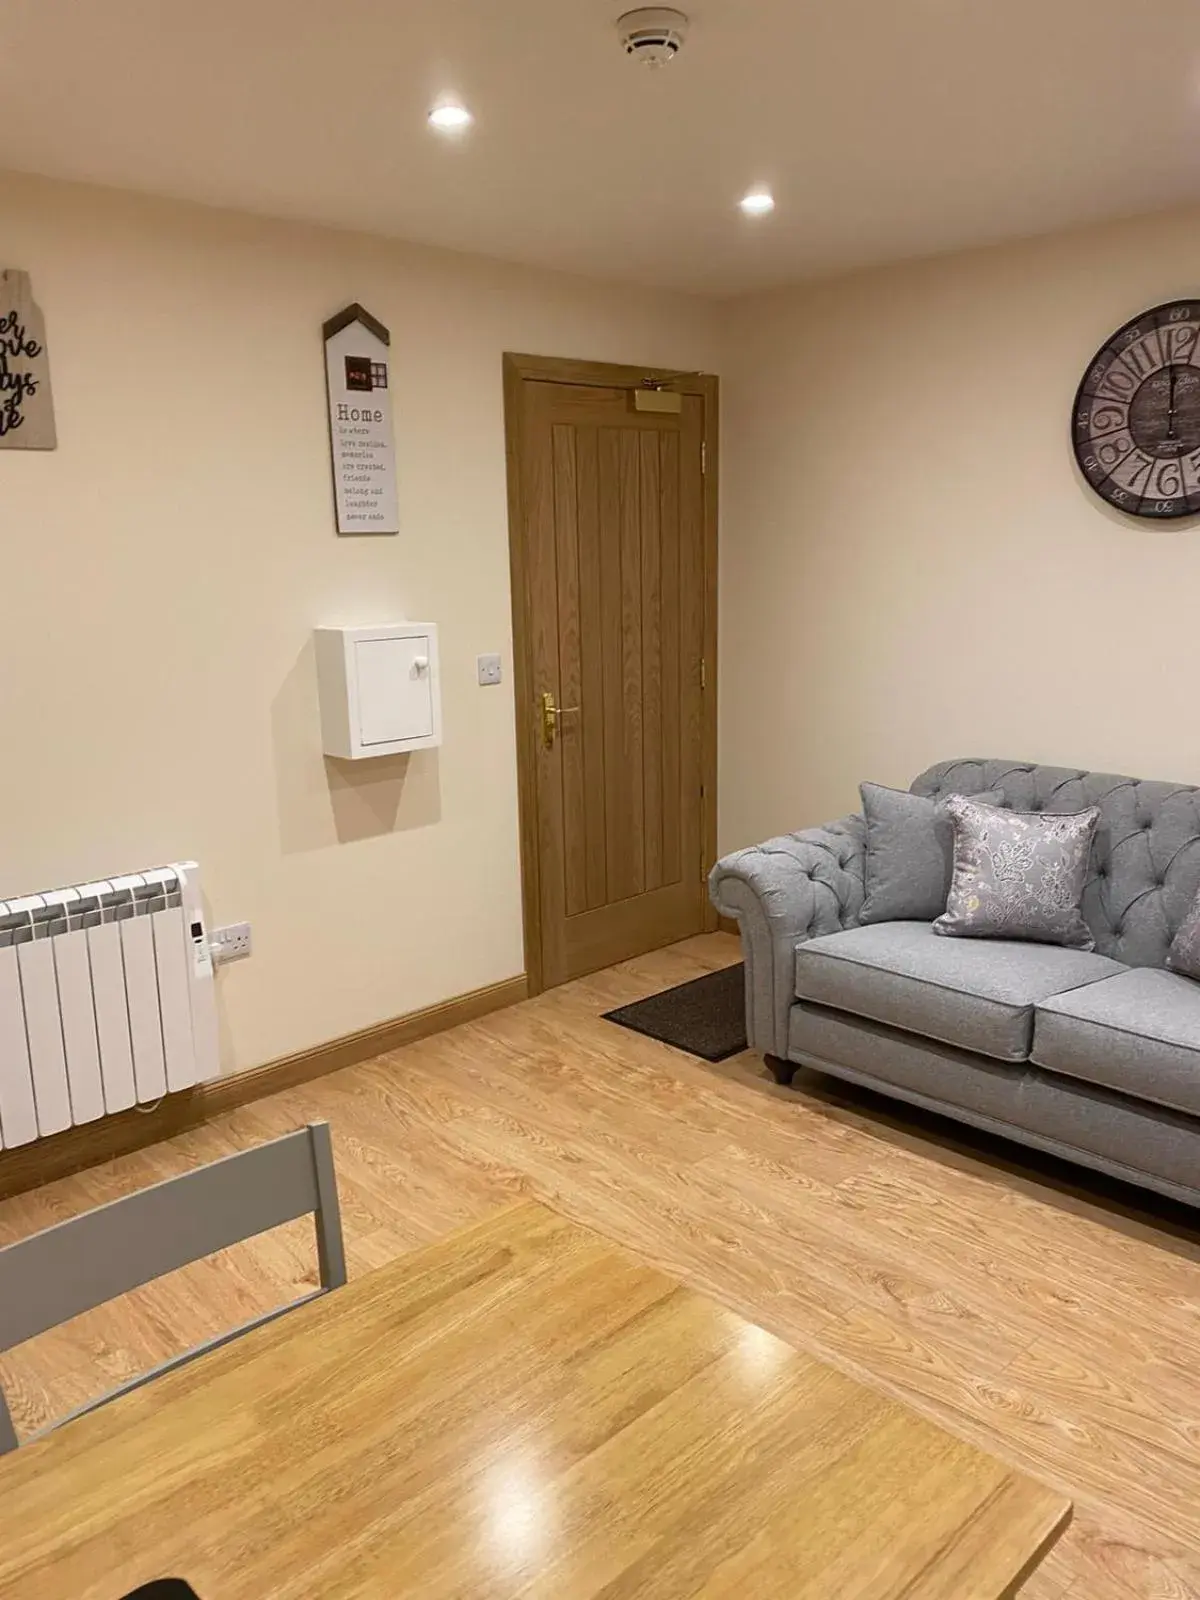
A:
x: 450, y: 118
x: 757, y: 203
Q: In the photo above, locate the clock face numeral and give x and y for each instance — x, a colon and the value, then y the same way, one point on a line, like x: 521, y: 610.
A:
x: 1136, y: 423
x: 1180, y: 341
x: 1101, y: 418
x: 1118, y: 383
x: 1133, y: 470
x: 1144, y: 357
x: 1115, y: 452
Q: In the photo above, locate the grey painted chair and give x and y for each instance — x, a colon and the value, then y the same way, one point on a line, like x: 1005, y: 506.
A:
x: 82, y: 1263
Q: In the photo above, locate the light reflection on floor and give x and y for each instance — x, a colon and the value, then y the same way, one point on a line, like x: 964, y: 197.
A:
x: 519, y: 1508
x: 759, y: 1353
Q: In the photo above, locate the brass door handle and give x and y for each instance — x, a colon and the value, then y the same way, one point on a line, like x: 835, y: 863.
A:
x: 550, y: 716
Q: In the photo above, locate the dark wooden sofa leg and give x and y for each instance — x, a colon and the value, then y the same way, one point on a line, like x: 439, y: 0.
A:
x: 782, y: 1071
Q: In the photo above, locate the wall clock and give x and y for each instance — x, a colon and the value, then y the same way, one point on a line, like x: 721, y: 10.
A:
x: 1137, y: 414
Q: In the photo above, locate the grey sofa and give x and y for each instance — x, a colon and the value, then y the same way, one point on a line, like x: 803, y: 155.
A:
x: 1091, y: 1056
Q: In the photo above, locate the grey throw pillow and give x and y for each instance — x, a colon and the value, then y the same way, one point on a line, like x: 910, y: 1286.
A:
x: 1184, y: 954
x: 910, y: 854
x: 1018, y: 874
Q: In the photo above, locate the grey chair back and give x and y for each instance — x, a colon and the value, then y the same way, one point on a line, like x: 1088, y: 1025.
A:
x: 77, y: 1265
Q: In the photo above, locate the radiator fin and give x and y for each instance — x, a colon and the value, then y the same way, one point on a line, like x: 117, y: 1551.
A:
x: 18, y: 1110
x: 112, y: 1016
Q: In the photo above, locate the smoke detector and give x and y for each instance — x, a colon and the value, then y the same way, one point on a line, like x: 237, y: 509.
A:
x: 654, y: 34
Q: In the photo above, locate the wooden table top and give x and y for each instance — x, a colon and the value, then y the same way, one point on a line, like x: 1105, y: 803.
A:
x: 519, y: 1409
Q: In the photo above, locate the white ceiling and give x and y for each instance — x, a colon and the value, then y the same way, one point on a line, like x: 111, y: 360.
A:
x: 885, y: 127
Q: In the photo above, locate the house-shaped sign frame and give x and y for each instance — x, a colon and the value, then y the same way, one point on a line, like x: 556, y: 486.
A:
x: 362, y: 444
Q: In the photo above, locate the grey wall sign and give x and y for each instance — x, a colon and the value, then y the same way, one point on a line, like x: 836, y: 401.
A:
x: 361, y: 441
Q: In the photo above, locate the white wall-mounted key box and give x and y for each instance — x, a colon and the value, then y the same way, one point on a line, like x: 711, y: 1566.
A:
x: 379, y: 689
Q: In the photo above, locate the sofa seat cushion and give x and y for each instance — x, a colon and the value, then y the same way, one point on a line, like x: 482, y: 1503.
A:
x: 1138, y: 1033
x: 977, y: 994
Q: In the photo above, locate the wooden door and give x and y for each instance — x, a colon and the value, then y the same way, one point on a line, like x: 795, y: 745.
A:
x: 612, y: 540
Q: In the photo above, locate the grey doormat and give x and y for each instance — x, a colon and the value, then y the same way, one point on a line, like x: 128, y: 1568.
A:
x: 706, y: 1017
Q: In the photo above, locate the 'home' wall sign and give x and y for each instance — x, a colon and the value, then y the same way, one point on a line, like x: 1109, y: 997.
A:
x: 360, y: 422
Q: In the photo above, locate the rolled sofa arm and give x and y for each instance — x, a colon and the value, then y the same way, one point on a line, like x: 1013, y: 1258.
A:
x: 796, y: 887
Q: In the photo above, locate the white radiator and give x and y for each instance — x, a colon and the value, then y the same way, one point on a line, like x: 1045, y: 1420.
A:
x: 106, y: 1000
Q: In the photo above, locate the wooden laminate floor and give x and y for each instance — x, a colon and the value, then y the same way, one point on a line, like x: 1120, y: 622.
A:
x: 1025, y: 1309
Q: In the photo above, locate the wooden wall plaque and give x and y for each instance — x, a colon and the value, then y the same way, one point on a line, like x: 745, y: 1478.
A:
x: 26, y: 401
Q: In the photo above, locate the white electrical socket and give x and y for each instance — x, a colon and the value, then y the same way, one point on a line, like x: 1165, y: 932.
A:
x: 489, y: 669
x: 231, y: 943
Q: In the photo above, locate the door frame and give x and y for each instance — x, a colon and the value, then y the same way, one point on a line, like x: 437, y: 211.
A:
x: 519, y: 369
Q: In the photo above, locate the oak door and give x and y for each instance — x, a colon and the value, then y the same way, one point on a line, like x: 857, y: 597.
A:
x: 613, y: 510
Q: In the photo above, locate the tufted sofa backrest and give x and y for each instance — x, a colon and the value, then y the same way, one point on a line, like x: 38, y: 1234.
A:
x: 1145, y: 870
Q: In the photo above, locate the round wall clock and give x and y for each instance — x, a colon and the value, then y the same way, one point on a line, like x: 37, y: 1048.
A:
x: 1137, y: 414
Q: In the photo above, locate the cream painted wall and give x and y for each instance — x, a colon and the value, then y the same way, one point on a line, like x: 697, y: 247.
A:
x: 162, y: 571
x: 912, y: 568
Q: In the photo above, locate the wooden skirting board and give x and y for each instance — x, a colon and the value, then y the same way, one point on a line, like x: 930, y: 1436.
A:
x: 62, y: 1153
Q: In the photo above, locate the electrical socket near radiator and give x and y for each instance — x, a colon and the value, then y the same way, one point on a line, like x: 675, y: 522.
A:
x: 231, y: 943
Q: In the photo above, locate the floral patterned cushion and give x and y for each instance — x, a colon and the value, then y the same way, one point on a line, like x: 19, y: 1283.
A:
x: 1018, y: 874
x: 1184, y: 955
